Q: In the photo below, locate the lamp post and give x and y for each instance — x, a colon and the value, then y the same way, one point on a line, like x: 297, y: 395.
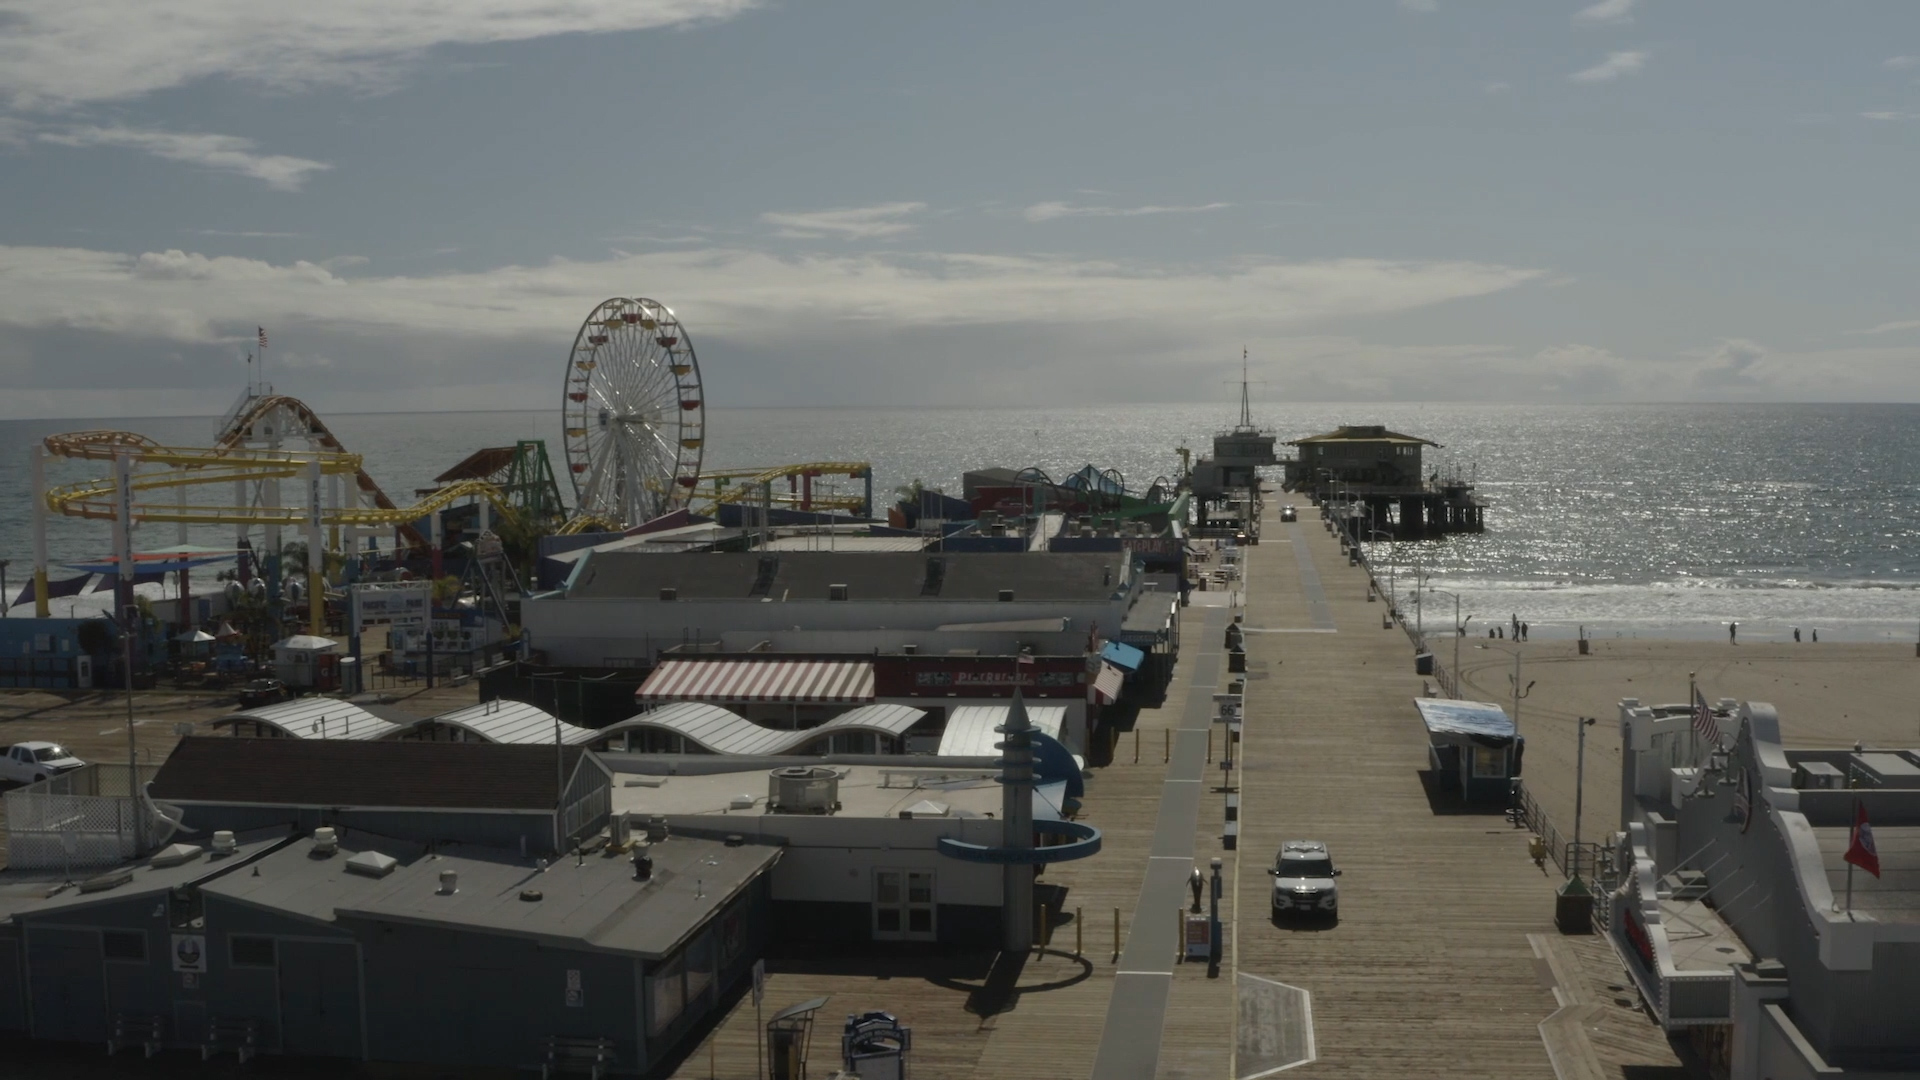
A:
x: 1393, y: 598
x: 1459, y: 631
x: 1519, y: 692
x: 1579, y: 783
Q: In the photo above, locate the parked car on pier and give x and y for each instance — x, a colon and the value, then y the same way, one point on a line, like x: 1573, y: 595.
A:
x: 264, y: 692
x: 1288, y: 513
x: 1303, y: 884
x: 29, y: 762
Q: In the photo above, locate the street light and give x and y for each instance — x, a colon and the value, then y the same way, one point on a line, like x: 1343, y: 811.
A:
x: 1579, y: 784
x: 1519, y: 692
x: 1459, y: 631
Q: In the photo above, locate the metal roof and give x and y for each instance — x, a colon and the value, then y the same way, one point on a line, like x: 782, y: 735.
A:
x: 1465, y: 718
x: 808, y: 576
x: 316, y: 718
x: 769, y: 680
x: 1363, y: 433
x: 1107, y: 683
x: 970, y: 727
x: 725, y: 732
x: 1121, y: 655
x: 399, y: 774
x: 503, y: 721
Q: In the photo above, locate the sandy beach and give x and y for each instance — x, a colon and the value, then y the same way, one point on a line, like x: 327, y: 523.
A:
x: 1827, y: 695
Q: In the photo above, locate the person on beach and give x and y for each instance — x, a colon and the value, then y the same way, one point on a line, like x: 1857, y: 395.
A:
x: 1523, y: 631
x: 1816, y: 635
x: 1796, y: 635
x: 1733, y: 633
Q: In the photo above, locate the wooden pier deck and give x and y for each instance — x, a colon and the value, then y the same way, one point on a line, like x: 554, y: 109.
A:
x: 1429, y: 972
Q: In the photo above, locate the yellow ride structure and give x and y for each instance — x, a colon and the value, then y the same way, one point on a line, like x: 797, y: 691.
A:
x: 143, y: 467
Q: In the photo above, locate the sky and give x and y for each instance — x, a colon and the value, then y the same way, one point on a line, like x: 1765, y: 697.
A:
x: 873, y: 203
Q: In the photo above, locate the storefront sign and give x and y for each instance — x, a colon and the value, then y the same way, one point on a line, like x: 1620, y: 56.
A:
x: 946, y: 676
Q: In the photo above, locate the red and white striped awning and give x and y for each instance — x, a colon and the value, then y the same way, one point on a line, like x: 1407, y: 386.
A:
x: 779, y: 681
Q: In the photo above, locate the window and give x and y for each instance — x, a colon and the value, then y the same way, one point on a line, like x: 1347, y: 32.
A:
x: 699, y: 968
x: 50, y: 752
x: 124, y: 946
x: 903, y: 905
x: 246, y: 951
x: 666, y: 995
x: 1489, y: 761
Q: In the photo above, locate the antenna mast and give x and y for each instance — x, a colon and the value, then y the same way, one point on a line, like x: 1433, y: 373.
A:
x: 1246, y: 408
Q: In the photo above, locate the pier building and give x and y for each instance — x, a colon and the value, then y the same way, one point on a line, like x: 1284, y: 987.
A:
x: 1377, y: 478
x: 1740, y: 918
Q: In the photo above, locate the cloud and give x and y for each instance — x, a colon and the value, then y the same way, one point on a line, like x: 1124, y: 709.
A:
x: 250, y: 234
x: 57, y: 53
x: 1606, y: 11
x: 1498, y: 87
x: 1889, y: 327
x: 1048, y: 211
x: 1890, y: 116
x: 1422, y: 6
x: 1613, y: 67
x: 1901, y: 63
x: 221, y: 153
x: 1730, y: 366
x: 859, y: 223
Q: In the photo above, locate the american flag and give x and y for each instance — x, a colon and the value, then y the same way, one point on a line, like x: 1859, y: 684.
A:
x: 263, y: 336
x: 1703, y: 722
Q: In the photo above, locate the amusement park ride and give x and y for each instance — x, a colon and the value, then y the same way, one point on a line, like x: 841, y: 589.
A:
x: 634, y: 418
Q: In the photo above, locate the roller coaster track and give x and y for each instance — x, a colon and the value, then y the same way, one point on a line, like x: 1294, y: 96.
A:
x: 193, y: 466
x: 749, y: 481
x: 241, y: 425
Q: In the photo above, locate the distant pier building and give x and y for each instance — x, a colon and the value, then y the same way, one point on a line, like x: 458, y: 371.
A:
x: 1380, y: 475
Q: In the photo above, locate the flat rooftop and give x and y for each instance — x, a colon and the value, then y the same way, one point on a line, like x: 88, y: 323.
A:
x: 587, y: 901
x: 868, y: 575
x: 866, y: 791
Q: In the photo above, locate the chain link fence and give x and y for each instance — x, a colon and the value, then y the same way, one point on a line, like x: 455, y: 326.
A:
x: 84, y: 818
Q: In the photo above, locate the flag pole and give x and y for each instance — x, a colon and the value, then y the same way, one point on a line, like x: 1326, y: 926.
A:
x: 1853, y: 837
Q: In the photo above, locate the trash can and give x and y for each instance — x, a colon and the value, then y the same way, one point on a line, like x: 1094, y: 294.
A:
x: 1583, y: 647
x: 1573, y: 907
x: 1423, y: 663
x: 1236, y: 661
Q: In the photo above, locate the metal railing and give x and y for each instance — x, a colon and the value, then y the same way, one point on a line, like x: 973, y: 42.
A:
x: 1592, y: 861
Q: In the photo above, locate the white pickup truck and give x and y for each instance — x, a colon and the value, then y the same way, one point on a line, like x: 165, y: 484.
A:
x: 27, y: 762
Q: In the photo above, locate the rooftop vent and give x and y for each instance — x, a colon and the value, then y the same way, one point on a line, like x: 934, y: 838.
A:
x: 224, y: 843
x: 668, y: 592
x: 372, y: 864
x: 174, y: 855
x: 836, y: 592
x: 325, y: 840
x: 803, y: 789
x: 449, y: 882
x: 1006, y: 596
x: 909, y: 649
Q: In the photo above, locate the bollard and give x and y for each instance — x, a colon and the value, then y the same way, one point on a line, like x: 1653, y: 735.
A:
x: 1079, y: 925
x: 1166, y: 749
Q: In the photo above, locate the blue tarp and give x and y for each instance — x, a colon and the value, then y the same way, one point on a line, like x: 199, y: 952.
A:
x: 1475, y: 718
x: 1122, y: 656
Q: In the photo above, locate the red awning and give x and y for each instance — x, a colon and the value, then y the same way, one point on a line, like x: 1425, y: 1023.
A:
x: 777, y: 681
x: 1107, y: 684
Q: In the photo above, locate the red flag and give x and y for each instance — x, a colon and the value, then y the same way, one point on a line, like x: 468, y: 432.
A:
x: 1860, y: 849
x: 1703, y: 722
x: 263, y: 336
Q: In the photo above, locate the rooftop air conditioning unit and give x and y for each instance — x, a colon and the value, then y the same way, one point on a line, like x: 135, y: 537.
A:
x: 836, y: 592
x: 803, y: 789
x: 1006, y: 596
x: 669, y: 593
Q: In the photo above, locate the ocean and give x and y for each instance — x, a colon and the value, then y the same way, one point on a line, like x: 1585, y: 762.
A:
x: 1624, y: 520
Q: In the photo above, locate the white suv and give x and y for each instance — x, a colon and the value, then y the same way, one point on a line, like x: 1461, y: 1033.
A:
x: 1303, y: 883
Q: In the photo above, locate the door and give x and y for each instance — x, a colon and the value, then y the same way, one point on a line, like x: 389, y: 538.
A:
x: 319, y: 999
x: 69, y: 985
x: 903, y: 905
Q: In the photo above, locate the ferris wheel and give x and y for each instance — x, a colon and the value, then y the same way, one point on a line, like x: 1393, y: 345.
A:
x: 634, y: 415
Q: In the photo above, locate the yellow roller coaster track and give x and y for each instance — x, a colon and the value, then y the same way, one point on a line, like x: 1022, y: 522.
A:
x: 193, y: 466
x: 747, y: 487
x: 238, y: 428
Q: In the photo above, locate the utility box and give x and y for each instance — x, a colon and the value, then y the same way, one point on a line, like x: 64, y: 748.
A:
x: 1573, y: 907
